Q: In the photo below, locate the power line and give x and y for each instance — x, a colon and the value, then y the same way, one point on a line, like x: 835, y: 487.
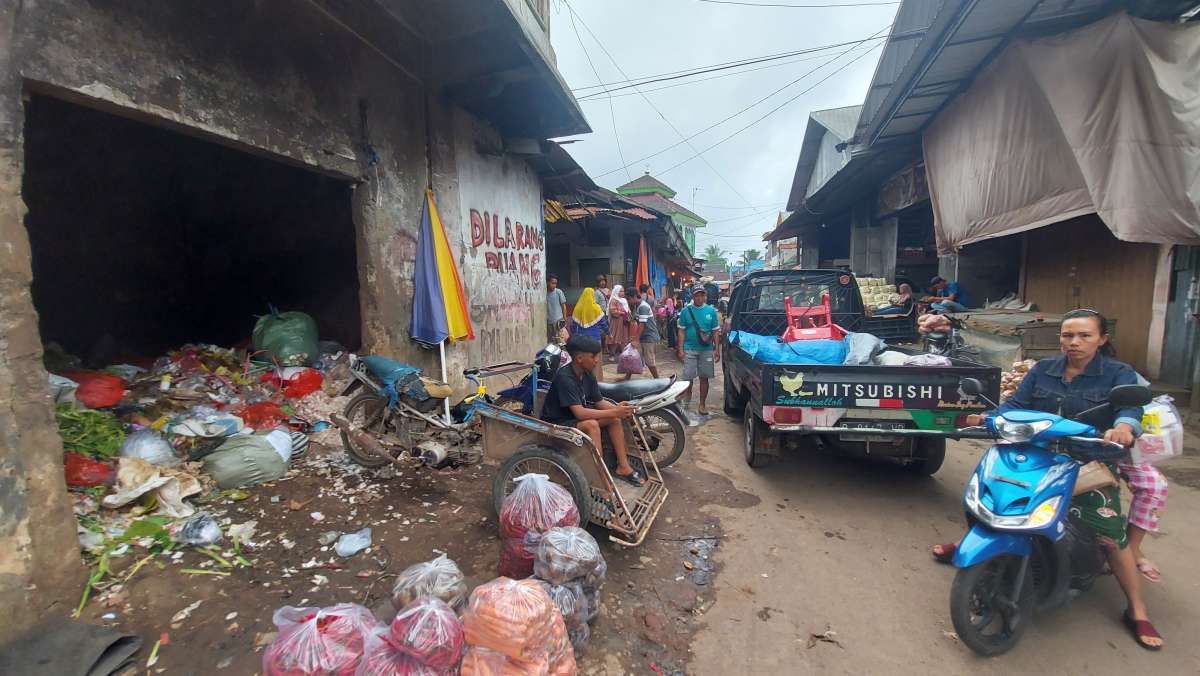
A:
x: 700, y: 70
x: 776, y: 108
x: 754, y: 206
x: 653, y: 107
x: 743, y: 110
x: 798, y: 6
x: 593, y: 97
x: 612, y: 115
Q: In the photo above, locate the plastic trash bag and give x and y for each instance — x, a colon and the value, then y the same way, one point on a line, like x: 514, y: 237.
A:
x: 535, y: 506
x: 861, y: 347
x: 62, y: 390
x: 201, y: 530
x: 83, y: 472
x: 97, y: 389
x: 286, y: 338
x: 890, y: 358
x: 1162, y: 433
x: 573, y: 606
x: 149, y: 445
x: 429, y: 631
x: 440, y: 578
x: 302, y: 384
x: 244, y: 460
x: 263, y: 415
x: 566, y: 554
x: 281, y: 441
x: 350, y: 544
x: 318, y: 640
x: 630, y: 361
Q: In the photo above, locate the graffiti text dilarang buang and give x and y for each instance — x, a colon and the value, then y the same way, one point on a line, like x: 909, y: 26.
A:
x: 511, y: 246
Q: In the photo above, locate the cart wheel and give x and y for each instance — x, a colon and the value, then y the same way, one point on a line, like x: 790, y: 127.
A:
x: 756, y: 430
x: 543, y: 460
x: 369, y: 413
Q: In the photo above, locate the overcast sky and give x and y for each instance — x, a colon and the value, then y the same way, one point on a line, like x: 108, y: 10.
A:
x: 651, y: 37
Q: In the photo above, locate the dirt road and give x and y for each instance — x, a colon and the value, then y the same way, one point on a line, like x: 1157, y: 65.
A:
x: 839, y: 545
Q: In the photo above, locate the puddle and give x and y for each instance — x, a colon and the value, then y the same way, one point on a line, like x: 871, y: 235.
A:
x: 698, y: 552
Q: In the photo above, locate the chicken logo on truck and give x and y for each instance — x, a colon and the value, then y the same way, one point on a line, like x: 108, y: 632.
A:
x: 793, y: 384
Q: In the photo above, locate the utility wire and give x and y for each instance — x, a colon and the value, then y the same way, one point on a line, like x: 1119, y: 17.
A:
x: 743, y: 110
x: 776, y: 108
x: 700, y: 70
x: 798, y: 5
x: 655, y: 108
x: 586, y: 98
x: 612, y: 115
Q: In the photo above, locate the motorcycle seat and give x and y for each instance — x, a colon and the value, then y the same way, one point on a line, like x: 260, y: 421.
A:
x: 635, y: 389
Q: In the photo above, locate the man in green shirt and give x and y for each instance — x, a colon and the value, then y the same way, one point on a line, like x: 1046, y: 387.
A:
x: 698, y: 349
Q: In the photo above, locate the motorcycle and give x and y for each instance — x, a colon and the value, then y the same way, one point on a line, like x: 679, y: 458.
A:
x: 658, y: 402
x: 1023, y: 552
x: 950, y: 343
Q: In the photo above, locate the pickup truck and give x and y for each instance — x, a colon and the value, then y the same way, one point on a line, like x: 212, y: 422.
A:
x: 904, y: 413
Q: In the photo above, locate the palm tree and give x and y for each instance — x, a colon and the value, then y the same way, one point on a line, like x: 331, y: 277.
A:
x: 750, y: 255
x: 713, y: 254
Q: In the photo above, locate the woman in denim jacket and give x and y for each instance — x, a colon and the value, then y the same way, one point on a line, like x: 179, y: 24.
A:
x: 1079, y: 379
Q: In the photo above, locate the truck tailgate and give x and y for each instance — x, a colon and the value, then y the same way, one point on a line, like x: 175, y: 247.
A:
x: 879, y: 387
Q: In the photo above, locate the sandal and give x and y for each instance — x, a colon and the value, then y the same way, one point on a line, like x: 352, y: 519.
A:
x: 947, y: 554
x: 1141, y: 629
x: 633, y: 479
x: 1148, y: 570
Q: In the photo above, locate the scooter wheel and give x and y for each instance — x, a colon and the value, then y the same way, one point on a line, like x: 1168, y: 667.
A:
x: 982, y: 616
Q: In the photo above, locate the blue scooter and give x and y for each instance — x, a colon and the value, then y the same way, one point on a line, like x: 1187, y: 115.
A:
x: 1023, y: 552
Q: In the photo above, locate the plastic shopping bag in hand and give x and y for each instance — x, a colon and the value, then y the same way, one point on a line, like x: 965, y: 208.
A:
x: 630, y: 361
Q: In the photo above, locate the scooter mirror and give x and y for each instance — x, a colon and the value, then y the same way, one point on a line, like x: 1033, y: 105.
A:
x: 1123, y: 396
x: 971, y: 387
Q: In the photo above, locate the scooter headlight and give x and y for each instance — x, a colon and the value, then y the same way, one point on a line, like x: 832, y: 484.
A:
x: 1044, y: 513
x: 1039, y: 517
x: 1016, y: 432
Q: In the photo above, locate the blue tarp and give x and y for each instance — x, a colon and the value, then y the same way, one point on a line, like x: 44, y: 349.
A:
x: 768, y: 349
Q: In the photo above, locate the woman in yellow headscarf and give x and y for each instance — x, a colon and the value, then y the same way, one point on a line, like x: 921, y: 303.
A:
x: 587, y: 319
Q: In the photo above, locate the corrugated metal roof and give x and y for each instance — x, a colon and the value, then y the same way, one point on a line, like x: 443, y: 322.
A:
x: 815, y: 150
x: 840, y: 121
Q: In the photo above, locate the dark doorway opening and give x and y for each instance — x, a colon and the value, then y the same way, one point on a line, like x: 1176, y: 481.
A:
x: 145, y: 239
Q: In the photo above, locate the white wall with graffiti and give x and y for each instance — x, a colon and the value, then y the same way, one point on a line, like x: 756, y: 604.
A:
x: 504, y: 249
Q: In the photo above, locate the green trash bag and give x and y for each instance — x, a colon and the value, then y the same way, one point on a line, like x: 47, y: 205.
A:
x: 288, y: 338
x: 244, y: 460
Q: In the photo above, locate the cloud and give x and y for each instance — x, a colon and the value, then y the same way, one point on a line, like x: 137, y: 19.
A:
x: 648, y: 37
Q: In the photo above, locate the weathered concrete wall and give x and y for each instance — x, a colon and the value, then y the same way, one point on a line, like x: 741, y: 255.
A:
x: 270, y: 77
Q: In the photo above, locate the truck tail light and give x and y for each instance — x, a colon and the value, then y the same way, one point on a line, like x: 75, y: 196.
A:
x: 788, y: 415
x: 960, y: 421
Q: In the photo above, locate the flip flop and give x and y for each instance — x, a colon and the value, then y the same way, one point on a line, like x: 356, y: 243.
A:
x: 633, y: 479
x: 1148, y: 570
x: 1141, y: 629
x: 947, y: 555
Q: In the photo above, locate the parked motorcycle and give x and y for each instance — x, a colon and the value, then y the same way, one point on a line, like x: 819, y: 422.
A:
x: 1023, y: 553
x: 951, y: 343
x: 661, y: 415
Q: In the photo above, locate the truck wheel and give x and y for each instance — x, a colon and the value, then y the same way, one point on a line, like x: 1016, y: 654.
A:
x: 755, y: 432
x: 733, y: 403
x: 928, y: 456
x: 532, y: 459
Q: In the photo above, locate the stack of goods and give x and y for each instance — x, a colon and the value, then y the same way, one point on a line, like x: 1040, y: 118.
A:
x: 439, y: 579
x: 513, y: 627
x: 1011, y: 380
x: 876, y: 292
x: 318, y: 641
x: 426, y: 638
x: 535, y: 506
x: 570, y: 568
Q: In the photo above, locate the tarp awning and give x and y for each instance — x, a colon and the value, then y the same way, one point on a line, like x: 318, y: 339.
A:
x: 1104, y: 119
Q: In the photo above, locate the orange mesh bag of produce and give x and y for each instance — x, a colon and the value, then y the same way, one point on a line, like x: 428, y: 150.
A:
x: 513, y: 627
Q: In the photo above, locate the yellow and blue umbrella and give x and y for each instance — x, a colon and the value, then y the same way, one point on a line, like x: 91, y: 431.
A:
x: 440, y: 309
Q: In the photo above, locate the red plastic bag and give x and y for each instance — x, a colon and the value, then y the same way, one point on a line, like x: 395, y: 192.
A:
x: 321, y: 641
x: 428, y: 631
x: 97, y: 389
x: 263, y: 415
x: 302, y: 384
x: 535, y: 506
x: 630, y: 361
x: 83, y: 472
x: 383, y: 657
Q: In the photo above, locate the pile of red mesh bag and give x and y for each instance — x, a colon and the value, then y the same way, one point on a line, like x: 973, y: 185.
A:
x: 535, y: 506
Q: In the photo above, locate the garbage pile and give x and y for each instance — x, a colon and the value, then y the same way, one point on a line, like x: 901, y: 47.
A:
x: 148, y: 439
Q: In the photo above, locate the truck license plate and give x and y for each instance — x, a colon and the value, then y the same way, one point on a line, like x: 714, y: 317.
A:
x: 879, y: 425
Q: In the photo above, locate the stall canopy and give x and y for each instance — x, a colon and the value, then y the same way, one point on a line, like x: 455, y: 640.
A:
x: 1104, y: 119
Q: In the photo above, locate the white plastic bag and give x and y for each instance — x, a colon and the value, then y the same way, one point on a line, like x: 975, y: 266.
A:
x: 149, y: 445
x: 1162, y: 433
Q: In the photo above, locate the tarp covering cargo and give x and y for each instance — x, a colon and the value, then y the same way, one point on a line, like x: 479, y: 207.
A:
x: 1104, y: 119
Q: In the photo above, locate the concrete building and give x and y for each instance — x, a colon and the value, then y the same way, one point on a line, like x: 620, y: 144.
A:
x: 167, y: 170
